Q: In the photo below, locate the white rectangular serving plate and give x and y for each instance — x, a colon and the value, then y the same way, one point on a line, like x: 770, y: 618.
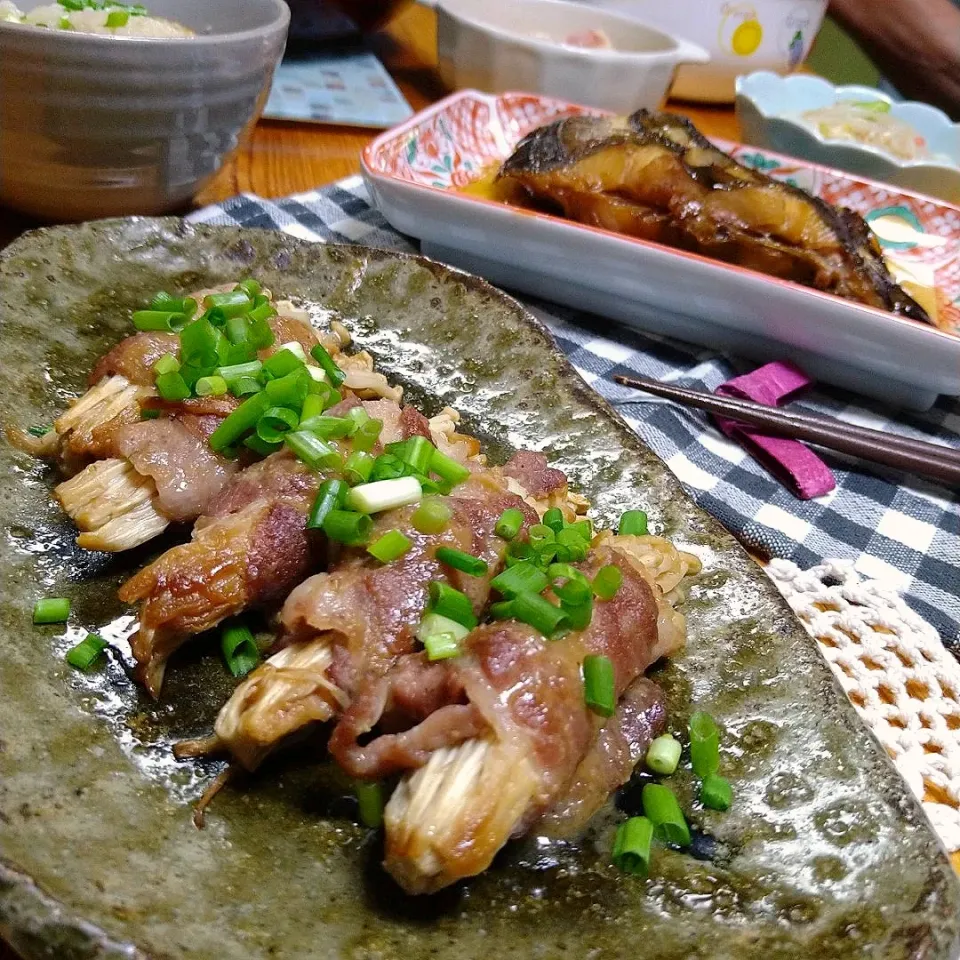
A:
x: 416, y: 172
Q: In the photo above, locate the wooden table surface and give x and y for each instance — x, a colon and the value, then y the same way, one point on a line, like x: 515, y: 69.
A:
x: 283, y: 158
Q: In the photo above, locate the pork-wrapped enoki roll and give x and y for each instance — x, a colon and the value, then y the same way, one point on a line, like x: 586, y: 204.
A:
x: 353, y: 622
x: 248, y: 550
x: 162, y: 471
x: 498, y: 735
x: 147, y: 474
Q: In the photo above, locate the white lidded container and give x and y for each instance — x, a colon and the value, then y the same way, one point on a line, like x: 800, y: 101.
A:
x: 519, y: 45
x: 741, y: 36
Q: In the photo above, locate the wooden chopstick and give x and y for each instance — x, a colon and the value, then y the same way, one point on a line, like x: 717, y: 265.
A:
x: 914, y: 456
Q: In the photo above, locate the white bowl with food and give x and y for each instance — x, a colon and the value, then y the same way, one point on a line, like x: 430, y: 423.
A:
x: 739, y: 35
x: 559, y: 49
x: 853, y: 128
x: 112, y: 109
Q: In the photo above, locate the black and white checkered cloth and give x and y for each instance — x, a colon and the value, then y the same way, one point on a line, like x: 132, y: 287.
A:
x: 899, y: 529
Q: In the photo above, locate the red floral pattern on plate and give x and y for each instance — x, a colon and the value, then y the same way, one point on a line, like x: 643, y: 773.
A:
x: 452, y: 143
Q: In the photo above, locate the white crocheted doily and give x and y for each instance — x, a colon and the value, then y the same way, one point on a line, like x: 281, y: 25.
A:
x: 895, y: 671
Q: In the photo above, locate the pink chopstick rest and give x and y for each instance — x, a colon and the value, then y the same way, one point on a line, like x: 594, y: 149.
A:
x: 790, y: 461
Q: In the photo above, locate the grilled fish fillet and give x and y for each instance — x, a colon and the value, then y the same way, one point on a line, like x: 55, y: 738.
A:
x: 654, y: 176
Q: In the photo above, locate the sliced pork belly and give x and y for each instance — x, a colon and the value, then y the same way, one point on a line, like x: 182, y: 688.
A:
x: 472, y: 791
x: 354, y: 622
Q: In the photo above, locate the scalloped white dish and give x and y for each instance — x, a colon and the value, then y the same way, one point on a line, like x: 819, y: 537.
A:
x: 769, y: 108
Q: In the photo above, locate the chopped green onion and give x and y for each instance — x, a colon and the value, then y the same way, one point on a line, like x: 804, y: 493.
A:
x: 289, y: 390
x: 296, y: 348
x: 367, y: 435
x: 716, y: 793
x: 39, y: 430
x: 599, y: 691
x: 415, y: 452
x: 169, y: 320
x: 631, y: 846
x: 553, y: 518
x: 244, y: 386
x: 582, y: 527
x: 441, y: 646
x: 464, y: 562
x: 503, y: 610
x: 167, y: 303
x: 572, y: 544
x: 509, y: 524
x: 275, y: 423
x: 168, y: 363
x: 370, y: 803
x: 356, y: 469
x: 632, y: 523
x: 434, y: 623
x: 451, y: 603
x: 172, y: 386
x: 451, y: 472
x: 347, y: 527
x: 200, y: 344
x: 314, y: 452
x: 239, y: 649
x: 329, y: 428
x: 384, y: 495
x: 576, y: 601
x: 217, y: 317
x: 876, y: 106
x: 391, y: 546
x: 237, y: 329
x: 330, y: 496
x: 539, y: 613
x: 661, y: 807
x: 312, y: 406
x: 607, y: 581
x: 51, y: 610
x: 233, y: 304
x: 264, y: 449
x: 148, y: 414
x: 358, y: 415
x: 117, y: 18
x: 704, y: 744
x: 211, y: 387
x: 282, y: 363
x: 563, y: 571
x: 432, y: 516
x: 328, y: 396
x: 387, y: 467
x: 663, y: 755
x: 260, y: 332
x: 522, y: 577
x: 87, y: 652
x: 518, y: 552
x: 250, y: 287
x: 540, y: 535
x: 239, y: 422
x: 65, y: 23
x: 237, y: 370
x: 334, y: 374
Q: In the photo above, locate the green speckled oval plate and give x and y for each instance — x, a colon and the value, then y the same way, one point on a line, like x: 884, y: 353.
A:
x: 824, y: 854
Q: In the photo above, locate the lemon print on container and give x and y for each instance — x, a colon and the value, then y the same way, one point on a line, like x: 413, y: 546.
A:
x: 740, y: 30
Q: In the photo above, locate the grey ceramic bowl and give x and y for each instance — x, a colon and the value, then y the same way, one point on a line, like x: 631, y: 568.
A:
x: 93, y: 126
